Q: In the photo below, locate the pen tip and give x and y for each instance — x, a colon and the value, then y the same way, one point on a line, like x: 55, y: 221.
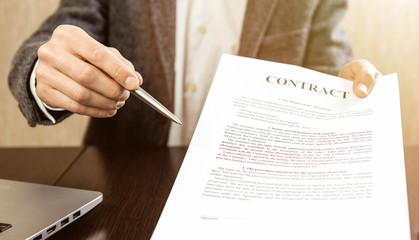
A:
x: 176, y: 120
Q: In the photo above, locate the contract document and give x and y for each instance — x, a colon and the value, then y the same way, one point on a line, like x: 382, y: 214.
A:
x: 283, y: 152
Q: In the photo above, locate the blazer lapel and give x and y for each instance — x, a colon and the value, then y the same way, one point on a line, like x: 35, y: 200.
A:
x: 163, y: 14
x: 256, y: 21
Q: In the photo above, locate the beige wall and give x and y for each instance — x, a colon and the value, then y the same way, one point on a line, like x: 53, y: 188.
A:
x: 382, y: 31
x: 18, y: 19
x: 385, y: 32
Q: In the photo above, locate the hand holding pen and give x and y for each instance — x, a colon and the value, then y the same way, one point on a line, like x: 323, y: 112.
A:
x: 89, y: 78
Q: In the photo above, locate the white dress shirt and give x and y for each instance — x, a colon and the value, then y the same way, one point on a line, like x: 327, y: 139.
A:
x: 204, y: 31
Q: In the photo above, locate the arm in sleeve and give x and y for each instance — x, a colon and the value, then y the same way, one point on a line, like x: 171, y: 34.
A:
x: 90, y: 15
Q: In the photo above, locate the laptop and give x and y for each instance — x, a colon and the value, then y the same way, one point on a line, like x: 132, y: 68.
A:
x: 35, y: 211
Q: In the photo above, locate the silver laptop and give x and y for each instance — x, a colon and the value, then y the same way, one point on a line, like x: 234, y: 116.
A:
x: 34, y: 211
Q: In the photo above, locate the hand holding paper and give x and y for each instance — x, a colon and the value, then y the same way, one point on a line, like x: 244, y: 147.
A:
x: 363, y: 74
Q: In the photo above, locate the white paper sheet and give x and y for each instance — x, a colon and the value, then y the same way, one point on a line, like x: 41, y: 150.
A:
x: 283, y: 152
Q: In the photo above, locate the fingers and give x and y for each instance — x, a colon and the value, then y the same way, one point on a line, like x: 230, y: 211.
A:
x: 56, y: 97
x: 77, y: 92
x: 363, y: 74
x: 79, y: 71
x: 98, y: 55
x: 72, y: 96
x: 88, y: 78
x: 128, y: 63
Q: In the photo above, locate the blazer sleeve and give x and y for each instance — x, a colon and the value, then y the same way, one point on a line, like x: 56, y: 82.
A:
x: 90, y: 15
x: 328, y: 47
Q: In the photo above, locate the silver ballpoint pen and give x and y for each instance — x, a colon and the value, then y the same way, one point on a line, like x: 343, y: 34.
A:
x: 152, y: 102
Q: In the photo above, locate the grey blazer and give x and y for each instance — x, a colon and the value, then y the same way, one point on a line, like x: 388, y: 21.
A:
x: 305, y: 33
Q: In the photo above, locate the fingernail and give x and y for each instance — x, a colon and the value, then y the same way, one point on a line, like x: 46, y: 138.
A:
x: 111, y: 113
x: 363, y: 88
x: 124, y: 96
x: 131, y: 82
x: 120, y: 104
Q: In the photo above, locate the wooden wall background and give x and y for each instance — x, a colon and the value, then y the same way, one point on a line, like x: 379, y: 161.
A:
x: 18, y: 19
x: 382, y: 31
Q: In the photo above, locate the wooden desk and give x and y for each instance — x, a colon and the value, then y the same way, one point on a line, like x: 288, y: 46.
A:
x: 411, y: 155
x: 135, y: 184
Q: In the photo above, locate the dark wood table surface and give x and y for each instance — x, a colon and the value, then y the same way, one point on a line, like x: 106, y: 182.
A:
x: 135, y: 184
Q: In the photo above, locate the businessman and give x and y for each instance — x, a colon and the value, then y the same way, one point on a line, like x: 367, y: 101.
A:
x: 86, y: 57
